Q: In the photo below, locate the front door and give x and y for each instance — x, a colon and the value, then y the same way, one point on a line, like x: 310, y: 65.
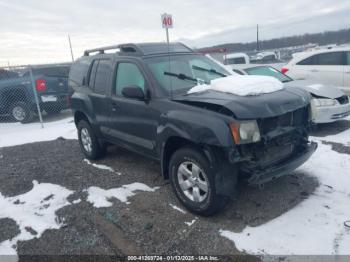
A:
x: 133, y: 123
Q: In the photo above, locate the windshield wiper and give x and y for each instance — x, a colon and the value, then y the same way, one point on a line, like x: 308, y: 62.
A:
x: 208, y: 70
x: 181, y: 76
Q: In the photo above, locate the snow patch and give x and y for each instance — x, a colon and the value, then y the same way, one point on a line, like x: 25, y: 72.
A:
x: 241, y: 85
x: 101, y: 197
x: 191, y: 223
x: 178, y: 209
x: 77, y: 201
x: 12, y: 134
x: 34, y: 212
x: 103, y: 167
x: 316, y: 225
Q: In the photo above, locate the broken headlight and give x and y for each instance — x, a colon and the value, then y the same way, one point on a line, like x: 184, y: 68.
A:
x: 319, y: 102
x: 245, y: 132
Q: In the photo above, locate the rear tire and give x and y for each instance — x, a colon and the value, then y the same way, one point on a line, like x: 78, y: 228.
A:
x: 88, y: 141
x: 193, y: 181
x: 21, y: 112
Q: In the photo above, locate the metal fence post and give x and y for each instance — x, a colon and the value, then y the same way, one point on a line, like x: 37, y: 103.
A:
x: 36, y: 96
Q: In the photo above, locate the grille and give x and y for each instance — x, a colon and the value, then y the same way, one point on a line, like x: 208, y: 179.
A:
x: 298, y: 117
x: 343, y: 100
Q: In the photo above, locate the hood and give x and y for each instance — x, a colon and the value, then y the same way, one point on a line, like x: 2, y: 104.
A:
x: 317, y: 89
x: 251, y: 107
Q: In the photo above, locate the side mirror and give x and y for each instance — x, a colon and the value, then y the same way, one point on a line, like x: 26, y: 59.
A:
x: 134, y: 92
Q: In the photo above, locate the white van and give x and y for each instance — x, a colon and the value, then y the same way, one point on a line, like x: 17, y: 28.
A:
x: 236, y: 59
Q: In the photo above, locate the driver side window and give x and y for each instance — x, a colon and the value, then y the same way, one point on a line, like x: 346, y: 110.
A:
x: 128, y: 74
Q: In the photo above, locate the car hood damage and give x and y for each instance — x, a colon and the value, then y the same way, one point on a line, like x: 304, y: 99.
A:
x: 249, y: 107
x: 317, y: 89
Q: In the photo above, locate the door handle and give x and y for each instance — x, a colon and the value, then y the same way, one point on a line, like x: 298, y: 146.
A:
x: 114, y: 107
x: 348, y: 72
x: 314, y: 71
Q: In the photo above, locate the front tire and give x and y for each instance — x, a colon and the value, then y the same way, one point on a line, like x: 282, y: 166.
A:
x: 21, y: 112
x: 193, y: 181
x: 88, y: 141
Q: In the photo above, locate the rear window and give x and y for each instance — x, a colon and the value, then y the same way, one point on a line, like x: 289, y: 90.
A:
x: 59, y: 71
x: 5, y: 74
x: 233, y: 61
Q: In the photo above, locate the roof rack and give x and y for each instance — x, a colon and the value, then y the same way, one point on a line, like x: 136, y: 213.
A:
x: 143, y: 49
x: 123, y: 48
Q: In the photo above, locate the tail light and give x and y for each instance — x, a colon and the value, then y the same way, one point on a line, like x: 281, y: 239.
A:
x: 284, y: 70
x: 40, y: 85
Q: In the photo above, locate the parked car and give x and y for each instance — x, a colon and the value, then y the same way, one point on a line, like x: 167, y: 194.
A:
x: 264, y: 57
x: 326, y: 66
x: 328, y: 102
x: 236, y: 59
x: 17, y: 97
x: 139, y: 98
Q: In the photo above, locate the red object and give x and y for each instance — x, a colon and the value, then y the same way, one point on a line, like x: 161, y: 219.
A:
x: 284, y: 70
x: 40, y: 85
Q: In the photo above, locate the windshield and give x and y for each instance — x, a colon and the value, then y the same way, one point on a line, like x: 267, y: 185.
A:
x: 183, y: 70
x: 268, y: 71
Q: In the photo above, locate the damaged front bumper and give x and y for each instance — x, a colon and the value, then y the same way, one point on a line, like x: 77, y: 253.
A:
x: 284, y: 167
x: 330, y: 114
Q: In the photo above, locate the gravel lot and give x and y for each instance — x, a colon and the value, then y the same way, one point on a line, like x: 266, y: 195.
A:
x: 148, y: 224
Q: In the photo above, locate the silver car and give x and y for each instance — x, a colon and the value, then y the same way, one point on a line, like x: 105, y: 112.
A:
x: 328, y: 102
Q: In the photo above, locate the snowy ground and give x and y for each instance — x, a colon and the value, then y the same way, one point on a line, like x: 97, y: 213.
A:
x: 314, y: 225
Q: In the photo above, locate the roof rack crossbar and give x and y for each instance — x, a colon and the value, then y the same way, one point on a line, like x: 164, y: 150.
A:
x: 123, y: 48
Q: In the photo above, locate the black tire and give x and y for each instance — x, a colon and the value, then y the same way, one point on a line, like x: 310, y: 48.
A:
x: 97, y: 150
x: 212, y: 202
x: 21, y: 112
x: 54, y: 110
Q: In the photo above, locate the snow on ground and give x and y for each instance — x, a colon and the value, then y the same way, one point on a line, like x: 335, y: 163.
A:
x: 241, y: 85
x: 103, y: 167
x: 342, y: 137
x: 12, y: 134
x: 34, y: 212
x: 101, y: 197
x: 178, y: 209
x: 316, y: 225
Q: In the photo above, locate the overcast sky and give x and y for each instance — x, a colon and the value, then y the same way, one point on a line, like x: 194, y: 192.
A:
x: 35, y: 31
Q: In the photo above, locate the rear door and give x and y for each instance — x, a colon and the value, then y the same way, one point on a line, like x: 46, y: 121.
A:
x: 133, y: 123
x: 100, y: 85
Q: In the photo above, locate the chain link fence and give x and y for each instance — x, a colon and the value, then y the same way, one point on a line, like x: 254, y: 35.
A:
x: 34, y: 93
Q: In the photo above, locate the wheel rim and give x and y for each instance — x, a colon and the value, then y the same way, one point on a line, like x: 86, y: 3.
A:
x: 19, y: 113
x: 192, y: 181
x: 86, y: 140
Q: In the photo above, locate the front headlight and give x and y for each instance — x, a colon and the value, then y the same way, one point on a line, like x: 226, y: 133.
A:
x: 245, y: 132
x: 319, y: 102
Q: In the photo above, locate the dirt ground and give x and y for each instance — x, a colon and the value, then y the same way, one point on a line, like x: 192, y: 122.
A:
x: 148, y: 224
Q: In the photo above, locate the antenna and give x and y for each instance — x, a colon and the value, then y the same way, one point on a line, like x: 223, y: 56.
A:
x: 71, y: 50
x: 257, y: 37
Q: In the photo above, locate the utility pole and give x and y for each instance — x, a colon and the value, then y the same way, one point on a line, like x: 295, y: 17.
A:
x: 257, y: 38
x: 71, y: 50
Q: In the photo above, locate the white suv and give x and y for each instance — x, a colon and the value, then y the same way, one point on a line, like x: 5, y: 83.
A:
x: 328, y: 66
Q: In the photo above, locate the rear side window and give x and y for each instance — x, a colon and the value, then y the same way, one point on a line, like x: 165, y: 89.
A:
x: 78, y: 72
x: 128, y: 74
x: 331, y: 58
x: 91, y: 83
x: 347, y: 58
x: 102, y: 78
